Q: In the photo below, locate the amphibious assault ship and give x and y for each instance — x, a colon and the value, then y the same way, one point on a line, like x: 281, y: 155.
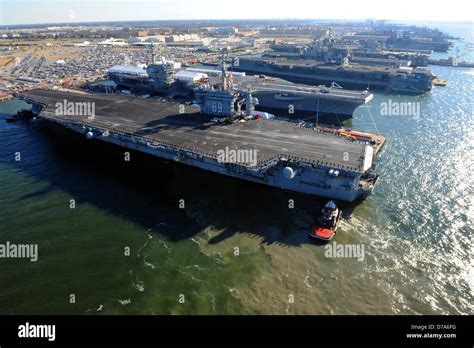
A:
x: 274, y: 95
x: 313, y: 161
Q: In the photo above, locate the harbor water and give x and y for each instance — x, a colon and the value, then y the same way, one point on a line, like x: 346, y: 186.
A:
x: 147, y: 236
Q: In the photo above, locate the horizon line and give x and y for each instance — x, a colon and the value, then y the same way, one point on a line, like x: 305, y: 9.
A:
x: 242, y: 19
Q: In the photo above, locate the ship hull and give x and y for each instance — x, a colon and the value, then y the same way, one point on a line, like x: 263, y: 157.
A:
x: 300, y: 103
x: 314, y: 78
x: 310, y: 105
x: 307, y: 185
x: 370, y: 80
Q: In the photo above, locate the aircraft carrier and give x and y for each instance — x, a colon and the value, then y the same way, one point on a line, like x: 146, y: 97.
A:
x: 274, y: 95
x: 361, y: 54
x: 403, y: 80
x: 327, y: 61
x: 321, y: 162
x: 406, y: 42
x: 282, y: 95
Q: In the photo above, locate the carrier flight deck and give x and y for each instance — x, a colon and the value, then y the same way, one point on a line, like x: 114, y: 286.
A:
x: 288, y: 156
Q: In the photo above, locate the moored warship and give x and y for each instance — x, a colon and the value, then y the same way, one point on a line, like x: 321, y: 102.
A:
x: 314, y: 161
x: 325, y: 62
x: 274, y: 94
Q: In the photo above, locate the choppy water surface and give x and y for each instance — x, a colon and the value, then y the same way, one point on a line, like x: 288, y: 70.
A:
x: 416, y: 228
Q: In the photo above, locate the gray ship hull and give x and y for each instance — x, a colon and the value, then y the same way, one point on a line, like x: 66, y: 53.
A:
x: 280, y: 96
x: 294, y: 107
x: 312, y: 73
x: 144, y: 85
x: 314, y: 79
x: 291, y: 100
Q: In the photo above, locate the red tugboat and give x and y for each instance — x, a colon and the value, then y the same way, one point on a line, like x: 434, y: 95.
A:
x: 324, y: 228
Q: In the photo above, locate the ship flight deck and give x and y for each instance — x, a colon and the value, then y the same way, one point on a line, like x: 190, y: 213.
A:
x: 158, y: 127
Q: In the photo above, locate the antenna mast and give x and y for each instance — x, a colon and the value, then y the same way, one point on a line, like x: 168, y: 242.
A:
x: 224, y: 73
x: 152, y: 53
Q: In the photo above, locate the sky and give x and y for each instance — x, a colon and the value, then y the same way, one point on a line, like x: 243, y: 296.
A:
x: 69, y: 11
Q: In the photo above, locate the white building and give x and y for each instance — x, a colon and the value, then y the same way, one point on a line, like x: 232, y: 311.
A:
x: 113, y: 42
x: 190, y: 76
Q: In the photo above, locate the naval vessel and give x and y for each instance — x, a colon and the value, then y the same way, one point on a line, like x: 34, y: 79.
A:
x: 361, y: 52
x: 276, y: 95
x: 404, y: 79
x: 365, y: 53
x: 404, y: 40
x: 313, y: 161
x: 327, y: 60
x: 415, y: 43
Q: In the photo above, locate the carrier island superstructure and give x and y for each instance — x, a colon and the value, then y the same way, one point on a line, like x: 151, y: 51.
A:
x: 307, y: 160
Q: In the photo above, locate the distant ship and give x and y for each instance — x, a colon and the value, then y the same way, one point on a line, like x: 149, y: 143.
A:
x: 327, y: 61
x: 273, y: 94
x: 354, y: 76
x: 279, y: 94
x: 407, y: 42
